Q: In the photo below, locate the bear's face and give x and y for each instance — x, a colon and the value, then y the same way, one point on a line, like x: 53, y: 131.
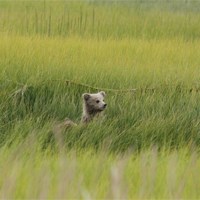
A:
x: 95, y: 102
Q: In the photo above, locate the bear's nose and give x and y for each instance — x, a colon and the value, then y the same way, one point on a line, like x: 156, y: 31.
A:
x: 105, y: 105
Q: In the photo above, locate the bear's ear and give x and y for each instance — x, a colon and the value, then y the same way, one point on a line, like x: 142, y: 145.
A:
x: 103, y: 93
x: 86, y: 96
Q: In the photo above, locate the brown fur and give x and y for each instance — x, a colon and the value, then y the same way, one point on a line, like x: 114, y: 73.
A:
x: 93, y: 105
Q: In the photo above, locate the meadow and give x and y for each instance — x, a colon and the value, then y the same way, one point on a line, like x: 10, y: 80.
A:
x: 146, y: 146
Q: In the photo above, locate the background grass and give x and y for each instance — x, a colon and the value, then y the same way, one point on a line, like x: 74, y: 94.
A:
x: 120, y: 45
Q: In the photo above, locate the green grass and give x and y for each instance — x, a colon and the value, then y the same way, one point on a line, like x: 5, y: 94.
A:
x: 34, y: 88
x: 101, y: 19
x: 115, y: 45
x: 28, y: 173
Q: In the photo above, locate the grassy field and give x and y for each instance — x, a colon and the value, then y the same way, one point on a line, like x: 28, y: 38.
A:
x: 149, y: 139
x: 28, y: 173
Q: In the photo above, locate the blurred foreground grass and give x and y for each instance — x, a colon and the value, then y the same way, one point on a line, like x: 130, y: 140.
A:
x: 29, y: 173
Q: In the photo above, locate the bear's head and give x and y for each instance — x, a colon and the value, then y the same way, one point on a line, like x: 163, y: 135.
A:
x: 95, y: 102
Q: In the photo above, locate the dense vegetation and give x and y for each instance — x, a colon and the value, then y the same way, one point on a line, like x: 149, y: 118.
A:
x: 152, y: 47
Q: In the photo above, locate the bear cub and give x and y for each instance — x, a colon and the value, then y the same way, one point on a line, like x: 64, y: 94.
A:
x: 93, y: 105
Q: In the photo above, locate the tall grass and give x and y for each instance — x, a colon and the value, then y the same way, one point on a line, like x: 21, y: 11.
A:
x: 138, y: 19
x: 34, y: 88
x: 28, y: 173
x: 146, y: 146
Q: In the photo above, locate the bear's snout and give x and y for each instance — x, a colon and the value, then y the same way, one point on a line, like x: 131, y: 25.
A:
x: 105, y: 105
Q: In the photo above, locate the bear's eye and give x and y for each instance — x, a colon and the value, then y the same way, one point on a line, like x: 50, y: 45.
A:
x: 97, y: 101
